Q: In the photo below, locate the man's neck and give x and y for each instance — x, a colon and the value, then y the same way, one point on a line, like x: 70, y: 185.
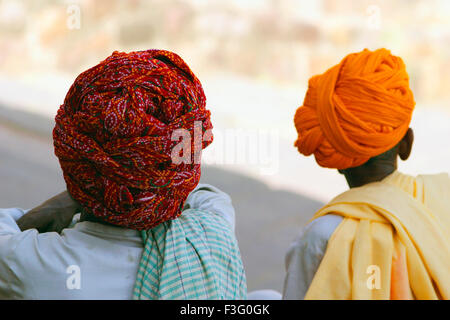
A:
x: 377, y: 171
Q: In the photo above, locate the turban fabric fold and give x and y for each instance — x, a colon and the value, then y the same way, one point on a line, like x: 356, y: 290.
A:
x: 356, y: 110
x: 114, y: 137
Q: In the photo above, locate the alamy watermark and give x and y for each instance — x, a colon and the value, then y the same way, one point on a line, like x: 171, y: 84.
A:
x: 74, y: 279
x: 73, y: 17
x: 374, y: 17
x: 254, y: 147
x: 374, y: 280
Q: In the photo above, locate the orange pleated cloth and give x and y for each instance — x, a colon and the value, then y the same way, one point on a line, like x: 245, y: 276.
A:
x: 400, y: 288
x: 356, y: 110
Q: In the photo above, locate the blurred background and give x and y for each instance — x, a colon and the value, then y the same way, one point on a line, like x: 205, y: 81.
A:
x: 254, y: 58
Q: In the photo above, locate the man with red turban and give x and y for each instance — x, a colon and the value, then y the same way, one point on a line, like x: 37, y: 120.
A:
x: 386, y: 237
x: 147, y: 229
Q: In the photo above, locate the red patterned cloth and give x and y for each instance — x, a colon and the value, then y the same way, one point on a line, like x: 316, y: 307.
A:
x: 113, y: 137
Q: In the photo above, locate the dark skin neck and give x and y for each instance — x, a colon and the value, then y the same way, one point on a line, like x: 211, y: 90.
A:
x: 381, y: 166
x: 368, y: 173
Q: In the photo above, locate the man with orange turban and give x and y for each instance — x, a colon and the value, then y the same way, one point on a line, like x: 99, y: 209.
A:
x: 147, y: 230
x: 388, y: 236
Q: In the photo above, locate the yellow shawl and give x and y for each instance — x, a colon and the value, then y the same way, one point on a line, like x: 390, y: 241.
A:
x: 392, y: 244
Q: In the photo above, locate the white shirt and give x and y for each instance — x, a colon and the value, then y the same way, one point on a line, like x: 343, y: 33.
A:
x: 101, y: 260
x: 305, y: 255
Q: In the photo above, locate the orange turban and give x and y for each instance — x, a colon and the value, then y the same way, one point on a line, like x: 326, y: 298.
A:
x: 356, y: 110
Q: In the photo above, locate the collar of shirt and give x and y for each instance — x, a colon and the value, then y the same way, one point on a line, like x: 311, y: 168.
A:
x: 107, y: 231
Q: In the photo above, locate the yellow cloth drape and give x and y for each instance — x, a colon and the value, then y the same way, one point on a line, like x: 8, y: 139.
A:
x: 392, y: 244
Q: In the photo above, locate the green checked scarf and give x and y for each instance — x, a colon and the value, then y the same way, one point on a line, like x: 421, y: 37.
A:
x: 195, y: 256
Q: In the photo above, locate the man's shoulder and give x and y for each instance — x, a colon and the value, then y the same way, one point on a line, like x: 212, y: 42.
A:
x: 322, y: 227
x: 439, y: 178
x: 15, y: 213
x: 206, y: 221
x: 315, y: 235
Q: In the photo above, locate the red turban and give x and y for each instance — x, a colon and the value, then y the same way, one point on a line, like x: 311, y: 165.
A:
x: 356, y: 110
x: 113, y: 137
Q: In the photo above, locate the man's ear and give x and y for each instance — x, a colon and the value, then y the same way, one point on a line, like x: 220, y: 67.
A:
x: 405, y: 146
